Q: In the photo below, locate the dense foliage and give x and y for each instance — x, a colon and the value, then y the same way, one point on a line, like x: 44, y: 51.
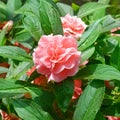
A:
x: 93, y: 93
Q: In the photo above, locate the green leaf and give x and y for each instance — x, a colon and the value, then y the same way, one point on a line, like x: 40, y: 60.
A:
x: 27, y: 109
x: 101, y: 12
x: 65, y: 9
x: 3, y: 70
x: 3, y: 11
x: 89, y: 8
x: 22, y: 36
x: 63, y: 93
x: 14, y: 53
x: 104, y: 1
x: 115, y: 57
x: 45, y: 99
x: 90, y: 36
x: 12, y: 6
x: 100, y: 116
x: 50, y: 18
x: 9, y: 88
x: 2, y: 37
x: 33, y: 25
x: 87, y: 54
x: 99, y: 71
x: 92, y: 33
x: 90, y: 101
x: 42, y: 17
x: 20, y: 70
x: 2, y: 16
x: 75, y: 7
x: 99, y: 55
x: 109, y: 23
x: 107, y: 45
x: 2, y: 5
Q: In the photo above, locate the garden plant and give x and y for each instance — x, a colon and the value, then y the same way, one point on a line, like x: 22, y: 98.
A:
x: 59, y: 61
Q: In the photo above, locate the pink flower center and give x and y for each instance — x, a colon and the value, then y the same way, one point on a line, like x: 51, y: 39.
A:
x: 55, y: 54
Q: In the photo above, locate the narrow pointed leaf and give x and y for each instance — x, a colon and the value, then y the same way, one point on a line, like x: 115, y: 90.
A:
x: 90, y: 101
x: 9, y: 88
x: 65, y: 9
x: 101, y: 12
x: 28, y: 109
x: 87, y: 54
x: 99, y: 71
x: 89, y: 8
x: 2, y: 37
x: 20, y: 70
x: 109, y: 23
x: 33, y: 25
x: 63, y: 93
x: 14, y: 53
x: 3, y: 70
x: 12, y: 6
x: 115, y: 58
x: 90, y: 36
x: 42, y: 17
x: 50, y: 18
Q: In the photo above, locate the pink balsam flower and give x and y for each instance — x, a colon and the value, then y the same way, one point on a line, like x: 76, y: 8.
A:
x: 57, y: 57
x: 73, y: 26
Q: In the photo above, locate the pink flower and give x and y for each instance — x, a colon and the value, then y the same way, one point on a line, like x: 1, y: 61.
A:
x: 113, y: 118
x: 73, y: 26
x: 57, y: 57
x: 77, y: 89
